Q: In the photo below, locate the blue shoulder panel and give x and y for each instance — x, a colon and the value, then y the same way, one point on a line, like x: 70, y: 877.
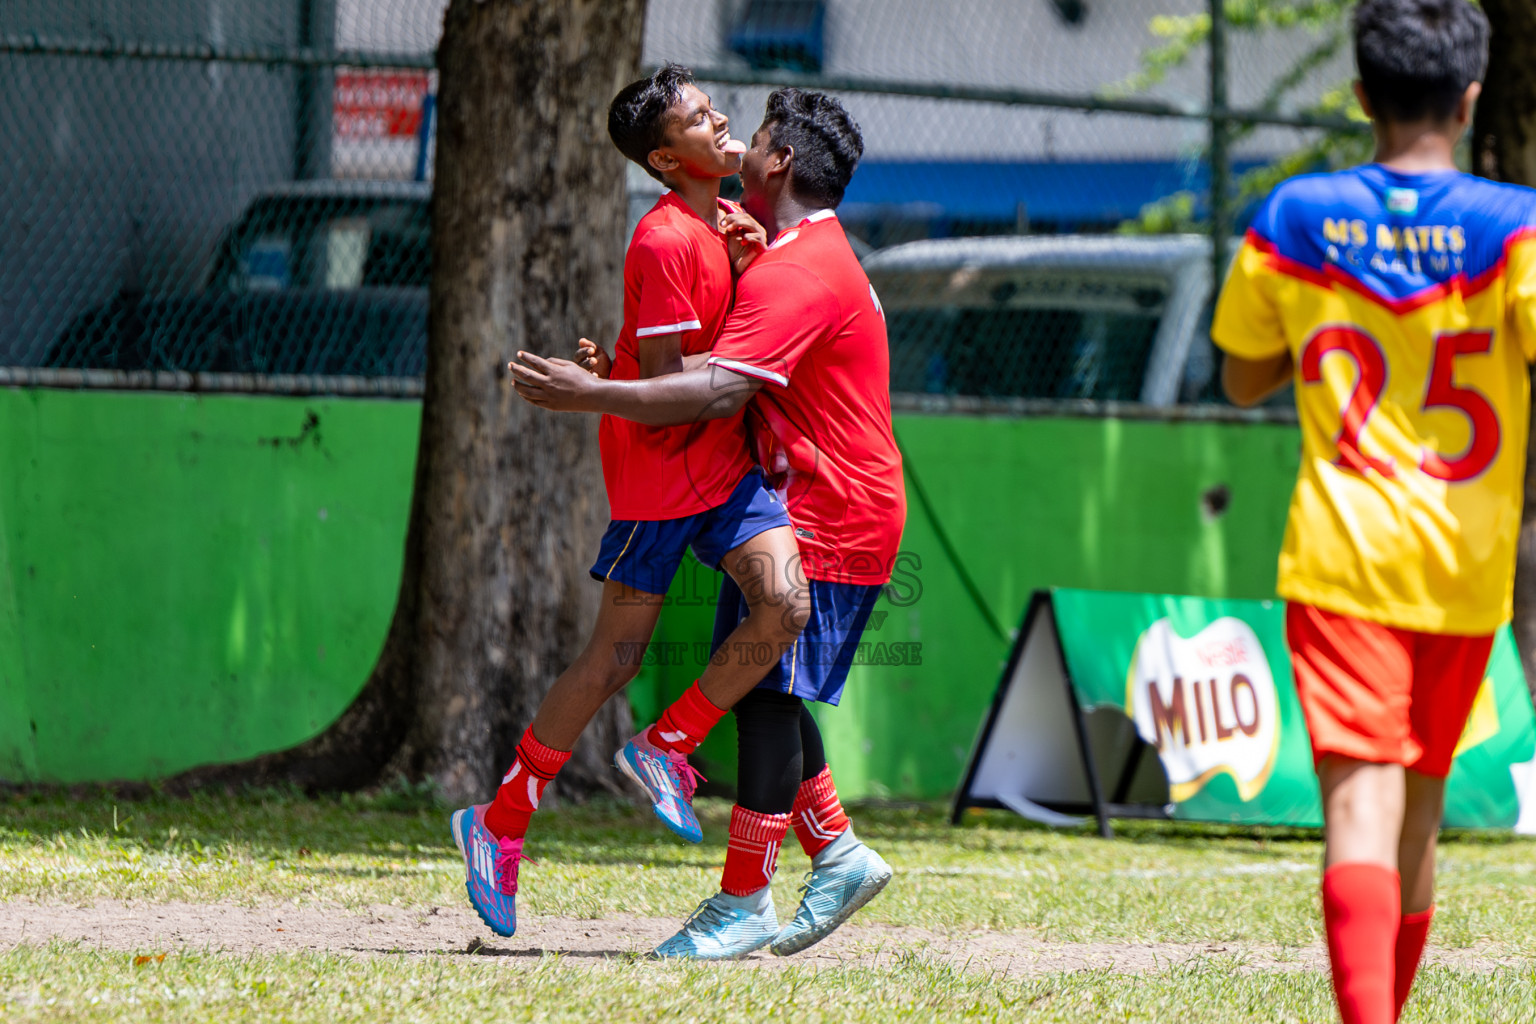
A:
x: 1395, y: 235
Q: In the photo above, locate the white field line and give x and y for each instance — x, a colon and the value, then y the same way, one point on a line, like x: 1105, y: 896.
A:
x: 1284, y: 867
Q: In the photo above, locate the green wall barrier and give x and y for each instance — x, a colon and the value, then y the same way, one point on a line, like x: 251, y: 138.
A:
x: 191, y: 579
x: 186, y: 579
x: 1013, y: 505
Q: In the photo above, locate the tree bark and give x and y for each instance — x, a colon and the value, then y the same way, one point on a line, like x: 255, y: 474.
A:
x: 528, y: 218
x: 1504, y: 149
x: 1504, y: 130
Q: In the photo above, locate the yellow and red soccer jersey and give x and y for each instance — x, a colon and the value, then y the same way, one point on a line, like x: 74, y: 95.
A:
x: 1408, y: 304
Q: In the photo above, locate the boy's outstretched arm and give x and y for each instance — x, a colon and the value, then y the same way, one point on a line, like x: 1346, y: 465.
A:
x: 1248, y: 382
x: 707, y: 393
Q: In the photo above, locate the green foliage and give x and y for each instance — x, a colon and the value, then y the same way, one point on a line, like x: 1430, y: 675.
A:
x: 1331, y: 148
x: 1184, y: 34
x: 1171, y: 215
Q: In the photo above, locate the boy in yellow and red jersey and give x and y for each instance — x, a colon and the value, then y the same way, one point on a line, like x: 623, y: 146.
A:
x: 1401, y: 298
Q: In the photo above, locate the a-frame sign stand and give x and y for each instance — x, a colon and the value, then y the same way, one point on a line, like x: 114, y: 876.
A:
x: 1042, y: 755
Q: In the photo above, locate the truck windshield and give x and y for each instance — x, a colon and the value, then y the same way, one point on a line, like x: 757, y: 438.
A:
x: 329, y: 244
x: 1035, y: 352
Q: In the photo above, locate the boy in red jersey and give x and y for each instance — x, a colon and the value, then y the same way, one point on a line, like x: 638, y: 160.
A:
x: 669, y: 489
x: 806, y: 344
x: 1400, y: 297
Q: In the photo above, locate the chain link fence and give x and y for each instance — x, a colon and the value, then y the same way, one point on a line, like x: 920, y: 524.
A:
x: 235, y: 196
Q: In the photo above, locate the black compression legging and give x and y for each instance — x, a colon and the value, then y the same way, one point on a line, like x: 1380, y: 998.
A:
x: 778, y: 746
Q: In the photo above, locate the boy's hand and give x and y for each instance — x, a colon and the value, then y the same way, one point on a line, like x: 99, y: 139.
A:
x: 745, y: 238
x: 594, y: 357
x: 555, y: 384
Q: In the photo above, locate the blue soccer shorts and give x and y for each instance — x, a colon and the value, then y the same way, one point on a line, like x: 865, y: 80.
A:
x: 644, y: 553
x: 816, y: 667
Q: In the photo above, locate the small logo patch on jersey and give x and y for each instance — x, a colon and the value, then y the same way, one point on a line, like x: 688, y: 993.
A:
x: 1403, y: 201
x: 801, y: 531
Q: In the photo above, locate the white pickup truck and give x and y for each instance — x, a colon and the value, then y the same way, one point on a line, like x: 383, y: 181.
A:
x: 1105, y: 318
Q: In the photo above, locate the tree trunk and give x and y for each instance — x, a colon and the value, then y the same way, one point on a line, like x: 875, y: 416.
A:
x: 528, y: 218
x: 1504, y: 149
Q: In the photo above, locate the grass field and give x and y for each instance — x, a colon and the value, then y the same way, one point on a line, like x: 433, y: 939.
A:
x: 274, y: 907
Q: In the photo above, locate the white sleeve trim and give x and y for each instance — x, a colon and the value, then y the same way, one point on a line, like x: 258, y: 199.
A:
x: 686, y: 325
x: 750, y: 370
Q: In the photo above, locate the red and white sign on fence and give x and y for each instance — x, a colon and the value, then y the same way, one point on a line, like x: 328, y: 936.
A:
x: 380, y: 104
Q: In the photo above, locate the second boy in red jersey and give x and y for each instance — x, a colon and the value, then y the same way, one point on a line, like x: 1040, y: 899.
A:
x: 669, y: 488
x: 806, y: 345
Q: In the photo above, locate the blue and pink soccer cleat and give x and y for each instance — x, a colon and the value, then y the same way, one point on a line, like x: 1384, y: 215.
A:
x: 490, y: 865
x: 669, y: 779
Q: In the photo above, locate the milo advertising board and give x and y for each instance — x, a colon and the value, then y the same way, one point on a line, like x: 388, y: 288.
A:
x: 1156, y: 705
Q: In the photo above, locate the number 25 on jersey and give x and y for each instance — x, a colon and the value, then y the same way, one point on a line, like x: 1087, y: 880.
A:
x: 1440, y: 392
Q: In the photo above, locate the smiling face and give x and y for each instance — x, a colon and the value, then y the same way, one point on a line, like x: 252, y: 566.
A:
x: 697, y: 142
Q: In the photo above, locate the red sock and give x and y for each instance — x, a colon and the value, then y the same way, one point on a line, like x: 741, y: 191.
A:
x: 523, y: 786
x: 1361, y: 914
x: 818, y: 815
x: 683, y: 726
x: 1411, y: 935
x: 753, y: 851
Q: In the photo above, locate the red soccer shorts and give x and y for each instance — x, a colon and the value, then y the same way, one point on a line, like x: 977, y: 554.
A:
x: 1380, y: 694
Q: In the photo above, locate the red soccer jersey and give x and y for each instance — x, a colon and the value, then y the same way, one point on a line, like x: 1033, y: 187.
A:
x: 807, y: 321
x: 677, y: 278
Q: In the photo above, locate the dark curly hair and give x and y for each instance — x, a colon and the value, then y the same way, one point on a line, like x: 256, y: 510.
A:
x: 1417, y: 57
x: 639, y: 115
x: 826, y: 141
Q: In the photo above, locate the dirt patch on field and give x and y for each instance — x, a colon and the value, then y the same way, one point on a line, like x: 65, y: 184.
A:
x: 393, y: 931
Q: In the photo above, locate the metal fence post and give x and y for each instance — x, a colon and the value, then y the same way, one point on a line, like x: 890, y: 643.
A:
x: 314, y: 87
x: 1221, y: 166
